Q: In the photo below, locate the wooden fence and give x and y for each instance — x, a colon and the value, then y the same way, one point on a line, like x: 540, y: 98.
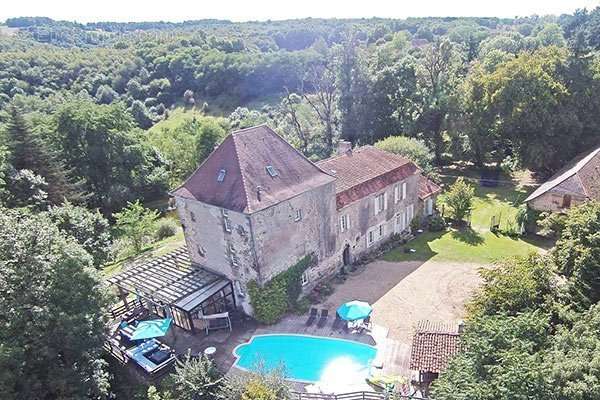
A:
x: 354, y: 396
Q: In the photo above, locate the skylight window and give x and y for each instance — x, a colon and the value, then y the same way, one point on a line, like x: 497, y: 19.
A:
x: 272, y: 171
x: 221, y: 176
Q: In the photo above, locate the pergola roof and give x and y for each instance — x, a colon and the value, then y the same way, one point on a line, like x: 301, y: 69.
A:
x: 434, y: 344
x: 172, y: 279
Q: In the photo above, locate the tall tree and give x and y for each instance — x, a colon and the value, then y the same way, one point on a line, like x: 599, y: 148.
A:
x: 51, y: 313
x: 27, y: 151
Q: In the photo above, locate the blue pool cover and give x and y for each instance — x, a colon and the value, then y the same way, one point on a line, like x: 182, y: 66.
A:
x: 307, y: 358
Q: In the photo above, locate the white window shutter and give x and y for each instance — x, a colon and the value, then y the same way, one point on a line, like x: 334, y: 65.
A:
x: 385, y: 201
x: 403, y: 190
x: 376, y: 206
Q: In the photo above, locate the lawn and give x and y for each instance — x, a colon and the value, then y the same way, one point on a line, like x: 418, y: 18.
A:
x: 476, y: 244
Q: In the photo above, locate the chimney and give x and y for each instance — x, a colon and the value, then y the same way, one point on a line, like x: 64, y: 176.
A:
x: 344, y: 147
x: 461, y: 326
x: 258, y: 192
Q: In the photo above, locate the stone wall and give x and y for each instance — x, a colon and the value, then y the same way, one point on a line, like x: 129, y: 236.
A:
x: 281, y: 239
x: 553, y: 201
x: 221, y: 241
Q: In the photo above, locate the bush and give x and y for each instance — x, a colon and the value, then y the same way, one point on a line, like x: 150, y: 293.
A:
x: 551, y: 224
x: 280, y: 295
x: 459, y: 199
x: 436, y: 223
x: 166, y: 228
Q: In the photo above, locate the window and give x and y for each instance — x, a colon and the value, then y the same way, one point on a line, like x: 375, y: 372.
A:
x: 201, y: 251
x: 233, y: 256
x: 272, y: 171
x: 370, y: 238
x: 399, y: 223
x: 380, y: 203
x: 410, y: 213
x: 221, y: 176
x: 429, y: 206
x: 396, y: 194
x: 375, y: 234
x: 403, y: 190
x: 226, y: 222
x: 192, y: 216
x: 298, y: 216
x: 305, y: 278
x: 344, y: 223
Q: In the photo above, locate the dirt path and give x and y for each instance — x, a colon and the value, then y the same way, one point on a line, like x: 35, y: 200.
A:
x: 402, y: 293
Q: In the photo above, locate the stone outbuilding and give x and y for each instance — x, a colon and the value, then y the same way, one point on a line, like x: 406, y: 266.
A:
x: 574, y: 184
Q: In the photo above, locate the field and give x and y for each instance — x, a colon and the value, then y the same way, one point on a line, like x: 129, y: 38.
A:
x: 476, y: 244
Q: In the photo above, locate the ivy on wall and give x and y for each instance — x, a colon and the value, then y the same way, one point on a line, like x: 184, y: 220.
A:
x: 280, y: 295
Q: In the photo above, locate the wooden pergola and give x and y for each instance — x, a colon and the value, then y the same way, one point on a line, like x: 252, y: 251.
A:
x: 172, y: 284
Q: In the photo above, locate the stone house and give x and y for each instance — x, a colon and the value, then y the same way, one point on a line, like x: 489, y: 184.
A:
x: 574, y: 184
x: 256, y: 206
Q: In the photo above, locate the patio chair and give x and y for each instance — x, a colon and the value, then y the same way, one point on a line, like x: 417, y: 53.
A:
x: 312, y: 317
x: 323, y: 319
x: 367, y: 323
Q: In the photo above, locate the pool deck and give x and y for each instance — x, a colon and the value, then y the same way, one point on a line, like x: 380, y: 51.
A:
x: 392, y: 355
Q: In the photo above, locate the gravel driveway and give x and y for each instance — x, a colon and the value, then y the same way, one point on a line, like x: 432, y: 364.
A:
x: 402, y: 293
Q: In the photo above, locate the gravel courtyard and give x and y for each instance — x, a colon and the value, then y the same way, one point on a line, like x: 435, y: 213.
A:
x: 402, y: 293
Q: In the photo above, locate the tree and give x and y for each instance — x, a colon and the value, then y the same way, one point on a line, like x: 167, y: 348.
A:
x: 322, y: 96
x: 436, y: 77
x: 140, y: 114
x: 100, y: 144
x: 136, y: 224
x: 459, y: 199
x: 501, y: 358
x: 27, y: 151
x: 194, y: 379
x: 88, y: 227
x: 258, y: 385
x: 26, y: 189
x: 106, y: 95
x: 413, y: 149
x: 52, y: 308
x: 514, y: 285
x: 577, y: 253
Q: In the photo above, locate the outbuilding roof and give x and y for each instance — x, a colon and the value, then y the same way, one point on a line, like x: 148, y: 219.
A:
x: 434, y: 344
x: 365, y: 170
x: 251, y: 170
x: 428, y: 188
x: 581, y: 176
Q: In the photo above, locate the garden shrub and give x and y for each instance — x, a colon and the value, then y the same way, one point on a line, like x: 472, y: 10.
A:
x: 166, y: 228
x: 280, y: 295
x: 436, y: 223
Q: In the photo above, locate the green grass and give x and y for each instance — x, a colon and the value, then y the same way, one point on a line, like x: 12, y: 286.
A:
x: 176, y: 117
x: 153, y: 250
x: 475, y: 244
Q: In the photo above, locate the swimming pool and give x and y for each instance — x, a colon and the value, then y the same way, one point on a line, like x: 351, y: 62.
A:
x: 307, y: 358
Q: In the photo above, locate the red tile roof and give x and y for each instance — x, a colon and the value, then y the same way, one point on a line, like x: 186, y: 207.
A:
x: 427, y: 188
x: 434, y: 344
x: 244, y: 156
x: 364, y: 171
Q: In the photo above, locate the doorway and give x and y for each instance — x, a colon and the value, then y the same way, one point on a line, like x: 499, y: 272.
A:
x: 346, y: 255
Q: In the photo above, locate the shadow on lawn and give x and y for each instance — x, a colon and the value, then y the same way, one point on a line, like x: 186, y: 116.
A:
x: 467, y: 235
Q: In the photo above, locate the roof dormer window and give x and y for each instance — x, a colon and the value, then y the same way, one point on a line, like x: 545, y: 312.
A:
x: 272, y: 171
x: 221, y: 176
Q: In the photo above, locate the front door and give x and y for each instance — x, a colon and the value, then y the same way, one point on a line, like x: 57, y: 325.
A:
x: 346, y: 255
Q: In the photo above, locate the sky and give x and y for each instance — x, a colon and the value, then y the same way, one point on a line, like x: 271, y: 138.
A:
x: 246, y: 10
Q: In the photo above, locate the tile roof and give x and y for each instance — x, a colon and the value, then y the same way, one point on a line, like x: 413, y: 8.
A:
x: 581, y: 176
x: 365, y: 170
x: 247, y: 185
x: 434, y: 344
x: 427, y: 188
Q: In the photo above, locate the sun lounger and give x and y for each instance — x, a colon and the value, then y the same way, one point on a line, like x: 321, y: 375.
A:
x: 323, y: 319
x: 312, y: 317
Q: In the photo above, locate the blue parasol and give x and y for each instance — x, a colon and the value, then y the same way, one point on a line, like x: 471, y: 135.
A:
x: 353, y: 310
x: 151, y: 329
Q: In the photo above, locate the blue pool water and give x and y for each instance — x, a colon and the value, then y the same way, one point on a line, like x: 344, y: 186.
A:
x: 307, y: 358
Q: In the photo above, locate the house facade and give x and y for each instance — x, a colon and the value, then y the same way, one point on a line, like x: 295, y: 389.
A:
x: 256, y: 206
x: 574, y: 184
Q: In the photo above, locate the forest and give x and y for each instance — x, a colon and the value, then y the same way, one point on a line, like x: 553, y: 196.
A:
x: 100, y: 120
